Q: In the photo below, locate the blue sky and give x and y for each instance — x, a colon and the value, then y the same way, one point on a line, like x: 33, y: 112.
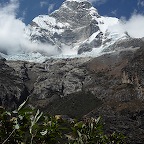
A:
x: 28, y: 9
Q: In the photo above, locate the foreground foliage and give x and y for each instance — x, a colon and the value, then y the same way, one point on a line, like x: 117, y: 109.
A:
x: 27, y: 126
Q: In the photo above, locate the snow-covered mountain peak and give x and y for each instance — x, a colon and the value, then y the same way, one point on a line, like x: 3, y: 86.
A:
x: 76, y: 28
x: 79, y: 5
x: 63, y: 24
x: 83, y: 3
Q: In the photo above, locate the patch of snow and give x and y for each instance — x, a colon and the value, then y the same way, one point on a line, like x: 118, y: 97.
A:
x: 93, y: 12
x: 105, y: 23
x: 49, y: 23
x: 31, y: 57
x: 93, y: 36
x: 44, y: 20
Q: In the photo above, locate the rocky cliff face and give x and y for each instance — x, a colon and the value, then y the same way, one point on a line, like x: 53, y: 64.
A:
x: 12, y: 88
x: 110, y: 85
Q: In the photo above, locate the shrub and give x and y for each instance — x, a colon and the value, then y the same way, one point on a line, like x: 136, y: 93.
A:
x: 28, y: 126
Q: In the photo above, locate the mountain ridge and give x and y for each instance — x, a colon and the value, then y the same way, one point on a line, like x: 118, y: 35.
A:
x: 76, y: 29
x: 75, y: 26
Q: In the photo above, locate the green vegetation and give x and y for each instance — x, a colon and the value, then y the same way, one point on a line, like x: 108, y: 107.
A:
x: 28, y: 126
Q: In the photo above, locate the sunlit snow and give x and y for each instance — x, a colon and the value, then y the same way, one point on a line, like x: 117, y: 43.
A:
x: 35, y: 51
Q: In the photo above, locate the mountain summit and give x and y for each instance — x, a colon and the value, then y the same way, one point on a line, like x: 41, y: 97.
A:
x: 75, y: 28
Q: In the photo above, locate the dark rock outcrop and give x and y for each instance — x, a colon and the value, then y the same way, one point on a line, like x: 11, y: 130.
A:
x: 128, y: 43
x: 12, y: 89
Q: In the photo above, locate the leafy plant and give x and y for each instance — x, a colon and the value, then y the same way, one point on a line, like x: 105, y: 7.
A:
x: 91, y: 132
x: 30, y: 126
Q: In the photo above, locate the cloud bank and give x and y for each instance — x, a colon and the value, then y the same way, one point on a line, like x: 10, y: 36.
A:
x: 11, y: 32
x: 12, y: 37
x: 134, y: 26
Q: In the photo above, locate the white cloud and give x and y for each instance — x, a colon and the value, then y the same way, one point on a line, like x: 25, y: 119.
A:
x: 114, y: 12
x: 11, y: 28
x: 12, y: 38
x: 51, y: 8
x: 134, y: 26
x: 98, y: 2
x: 43, y: 3
x: 10, y: 8
x: 140, y: 3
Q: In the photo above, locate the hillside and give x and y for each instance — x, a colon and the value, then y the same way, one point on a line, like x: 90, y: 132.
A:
x: 110, y: 85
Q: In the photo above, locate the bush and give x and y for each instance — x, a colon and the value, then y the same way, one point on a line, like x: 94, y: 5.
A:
x: 28, y: 126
